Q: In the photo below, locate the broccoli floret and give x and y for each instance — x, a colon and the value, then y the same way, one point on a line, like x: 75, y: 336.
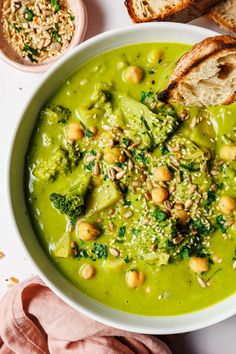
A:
x: 62, y: 161
x: 68, y: 204
x: 55, y: 114
x: 152, y: 128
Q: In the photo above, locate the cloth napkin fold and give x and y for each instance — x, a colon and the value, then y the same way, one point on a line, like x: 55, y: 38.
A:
x: 33, y: 320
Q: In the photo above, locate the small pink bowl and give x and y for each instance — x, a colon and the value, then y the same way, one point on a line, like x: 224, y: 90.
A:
x: 9, y: 55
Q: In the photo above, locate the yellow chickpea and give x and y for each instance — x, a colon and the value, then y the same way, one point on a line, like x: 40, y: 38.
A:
x: 112, y: 155
x: 133, y: 75
x: 134, y: 278
x: 75, y: 131
x: 228, y: 152
x: 87, y: 271
x: 159, y: 195
x: 154, y: 56
x: 227, y: 204
x: 87, y: 231
x: 181, y: 215
x: 162, y: 174
x: 198, y: 265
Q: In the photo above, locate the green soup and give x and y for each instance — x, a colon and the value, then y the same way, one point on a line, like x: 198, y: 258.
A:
x: 131, y: 198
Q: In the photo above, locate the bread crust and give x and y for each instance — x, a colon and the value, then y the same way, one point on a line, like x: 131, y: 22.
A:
x: 216, y: 15
x: 186, y: 11
x: 194, y: 57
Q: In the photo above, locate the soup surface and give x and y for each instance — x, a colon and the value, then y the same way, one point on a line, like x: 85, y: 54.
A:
x: 133, y: 199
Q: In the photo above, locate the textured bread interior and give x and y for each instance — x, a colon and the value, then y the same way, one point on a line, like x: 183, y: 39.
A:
x: 210, y: 83
x: 224, y: 13
x: 153, y: 8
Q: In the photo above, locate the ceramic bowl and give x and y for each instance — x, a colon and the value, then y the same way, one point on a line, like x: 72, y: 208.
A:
x: 151, y: 32
x: 8, y: 54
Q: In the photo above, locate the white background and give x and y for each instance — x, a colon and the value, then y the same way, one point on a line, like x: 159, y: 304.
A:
x: 15, y: 88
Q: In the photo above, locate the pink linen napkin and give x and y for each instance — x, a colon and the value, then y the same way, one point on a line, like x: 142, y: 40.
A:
x: 33, y: 320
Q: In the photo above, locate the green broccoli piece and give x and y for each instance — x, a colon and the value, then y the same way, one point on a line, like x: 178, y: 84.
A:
x: 152, y: 128
x: 68, y: 204
x: 55, y: 114
x: 71, y: 201
x: 63, y: 161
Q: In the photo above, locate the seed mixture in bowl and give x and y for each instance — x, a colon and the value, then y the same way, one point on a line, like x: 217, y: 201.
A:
x: 132, y: 198
x: 38, y: 30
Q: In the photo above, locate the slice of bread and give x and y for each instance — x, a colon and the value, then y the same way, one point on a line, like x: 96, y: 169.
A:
x: 205, y: 75
x: 167, y: 10
x: 224, y: 14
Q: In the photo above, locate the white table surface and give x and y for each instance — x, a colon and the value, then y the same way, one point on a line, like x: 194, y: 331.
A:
x: 15, y: 88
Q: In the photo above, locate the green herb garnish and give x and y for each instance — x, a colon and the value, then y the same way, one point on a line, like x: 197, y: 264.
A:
x: 159, y: 215
x: 164, y: 150
x: 126, y: 259
x: 56, y: 5
x: 28, y: 14
x: 88, y: 133
x: 31, y: 52
x: 100, y: 250
x: 211, y: 197
x: 89, y: 166
x: 220, y: 222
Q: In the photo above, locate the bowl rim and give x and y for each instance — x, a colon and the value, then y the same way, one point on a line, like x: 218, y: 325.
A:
x: 77, y: 38
x: 221, y: 310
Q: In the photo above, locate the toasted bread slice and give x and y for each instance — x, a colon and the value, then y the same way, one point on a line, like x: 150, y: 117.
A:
x: 224, y: 14
x: 205, y: 75
x: 167, y: 10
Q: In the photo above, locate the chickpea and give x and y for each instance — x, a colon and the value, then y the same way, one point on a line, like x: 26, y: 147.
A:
x: 199, y: 265
x: 87, y: 232
x: 159, y: 195
x: 133, y: 75
x: 154, y: 56
x: 134, y: 278
x: 227, y: 204
x: 228, y: 152
x: 181, y: 215
x: 162, y: 174
x: 87, y: 271
x: 75, y: 131
x: 112, y: 155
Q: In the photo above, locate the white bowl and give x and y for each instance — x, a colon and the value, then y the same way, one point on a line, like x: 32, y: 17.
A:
x: 151, y: 32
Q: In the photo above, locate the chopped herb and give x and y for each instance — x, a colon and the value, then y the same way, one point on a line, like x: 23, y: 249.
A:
x: 127, y: 202
x: 82, y: 253
x: 72, y: 18
x: 89, y: 166
x: 28, y: 14
x: 185, y: 253
x: 88, y: 133
x: 55, y: 34
x: 125, y: 141
x: 31, y: 52
x: 145, y: 95
x: 159, y: 215
x: 141, y: 156
x: 121, y: 234
x: 190, y: 167
x: 119, y: 164
x: 211, y: 197
x: 56, y: 5
x: 203, y: 228
x: 122, y: 231
x: 164, y: 150
x: 220, y: 222
x: 100, y: 250
x: 16, y: 28
x: 126, y: 259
